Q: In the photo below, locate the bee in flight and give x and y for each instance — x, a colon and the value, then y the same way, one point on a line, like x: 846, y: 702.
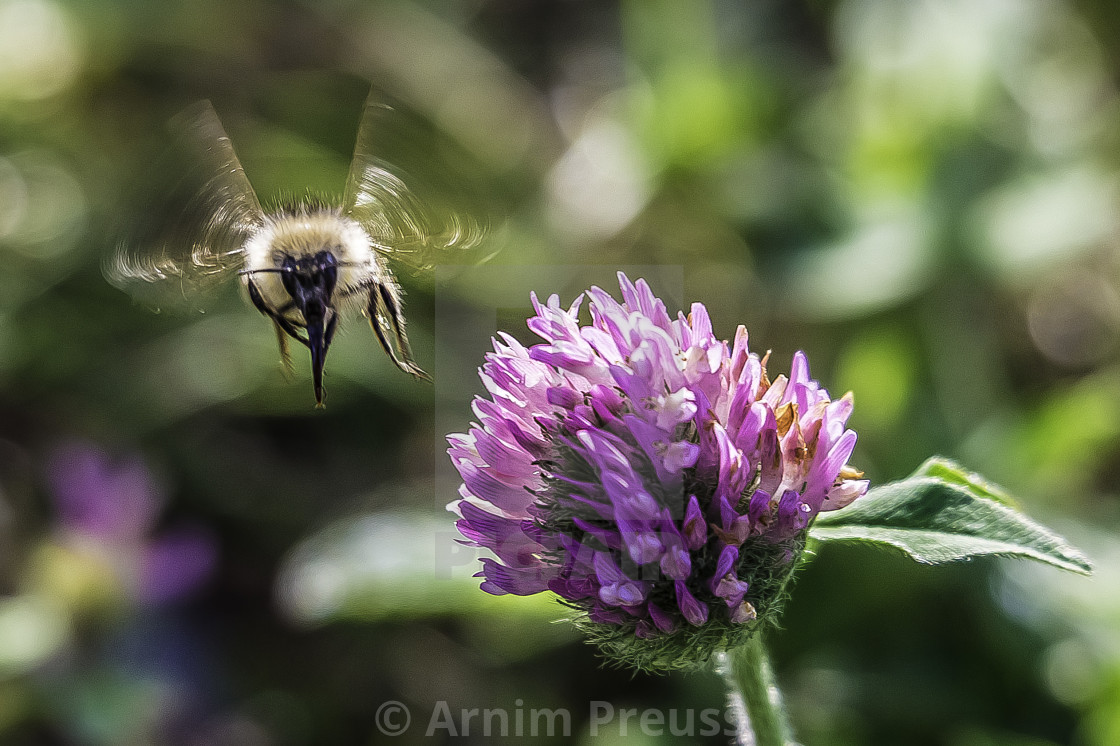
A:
x: 303, y: 265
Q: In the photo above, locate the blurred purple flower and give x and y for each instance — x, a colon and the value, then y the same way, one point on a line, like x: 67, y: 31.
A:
x: 111, y: 507
x: 653, y: 478
x: 99, y: 497
x: 175, y: 564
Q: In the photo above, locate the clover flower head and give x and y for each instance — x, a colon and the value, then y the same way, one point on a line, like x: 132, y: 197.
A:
x: 649, y: 474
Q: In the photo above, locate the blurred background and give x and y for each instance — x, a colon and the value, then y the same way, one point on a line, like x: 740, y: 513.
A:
x: 921, y: 195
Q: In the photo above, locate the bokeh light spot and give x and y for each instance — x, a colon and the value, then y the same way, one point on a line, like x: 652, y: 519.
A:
x: 1075, y: 320
x: 31, y: 629
x: 40, y: 54
x: 599, y: 185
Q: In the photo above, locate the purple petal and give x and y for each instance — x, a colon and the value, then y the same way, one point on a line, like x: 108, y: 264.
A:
x: 501, y: 580
x: 639, y: 297
x: 728, y: 556
x: 482, y: 485
x: 733, y: 476
x: 676, y: 562
x: 744, y: 612
x: 793, y: 514
x: 770, y: 455
x: 695, y: 529
x: 740, y: 355
x: 642, y: 544
x: 617, y: 589
x: 750, y: 428
x: 680, y: 456
x: 607, y: 536
x: 759, y: 509
x: 574, y: 588
x: 564, y: 397
x: 606, y: 616
x: 694, y: 611
x: 844, y: 493
x: 661, y: 619
x: 628, y: 594
x: 510, y: 461
x: 603, y: 343
x: 701, y: 326
x: 501, y: 535
x: 606, y: 570
x: 731, y: 589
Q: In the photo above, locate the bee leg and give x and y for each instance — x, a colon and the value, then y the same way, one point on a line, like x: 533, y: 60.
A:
x: 282, y: 323
x: 390, y: 295
x: 258, y: 301
x: 281, y: 339
x: 287, y: 326
x: 375, y: 316
x: 383, y: 304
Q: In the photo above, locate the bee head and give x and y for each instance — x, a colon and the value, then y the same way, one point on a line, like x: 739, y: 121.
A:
x: 311, y: 282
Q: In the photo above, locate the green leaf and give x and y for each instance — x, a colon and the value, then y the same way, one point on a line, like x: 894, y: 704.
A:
x: 943, y: 513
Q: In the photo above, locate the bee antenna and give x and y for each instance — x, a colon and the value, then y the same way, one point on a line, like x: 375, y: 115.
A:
x: 279, y: 270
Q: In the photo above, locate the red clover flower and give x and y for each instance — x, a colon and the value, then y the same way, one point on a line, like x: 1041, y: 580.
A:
x: 651, y: 475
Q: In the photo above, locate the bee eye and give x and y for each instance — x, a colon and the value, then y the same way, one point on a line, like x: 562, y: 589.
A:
x: 288, y: 275
x: 329, y: 267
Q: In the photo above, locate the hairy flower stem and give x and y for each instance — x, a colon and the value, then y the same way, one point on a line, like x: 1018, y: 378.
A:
x: 753, y: 696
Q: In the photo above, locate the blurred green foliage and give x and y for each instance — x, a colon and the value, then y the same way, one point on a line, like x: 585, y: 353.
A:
x: 921, y: 195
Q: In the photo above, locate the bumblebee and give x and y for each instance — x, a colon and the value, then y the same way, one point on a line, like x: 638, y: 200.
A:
x: 303, y: 265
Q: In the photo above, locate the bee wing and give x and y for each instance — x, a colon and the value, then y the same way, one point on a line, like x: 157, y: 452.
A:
x: 396, y: 194
x: 195, y: 236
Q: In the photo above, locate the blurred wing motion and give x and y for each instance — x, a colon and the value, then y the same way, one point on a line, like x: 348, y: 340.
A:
x: 196, y: 239
x: 393, y: 194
